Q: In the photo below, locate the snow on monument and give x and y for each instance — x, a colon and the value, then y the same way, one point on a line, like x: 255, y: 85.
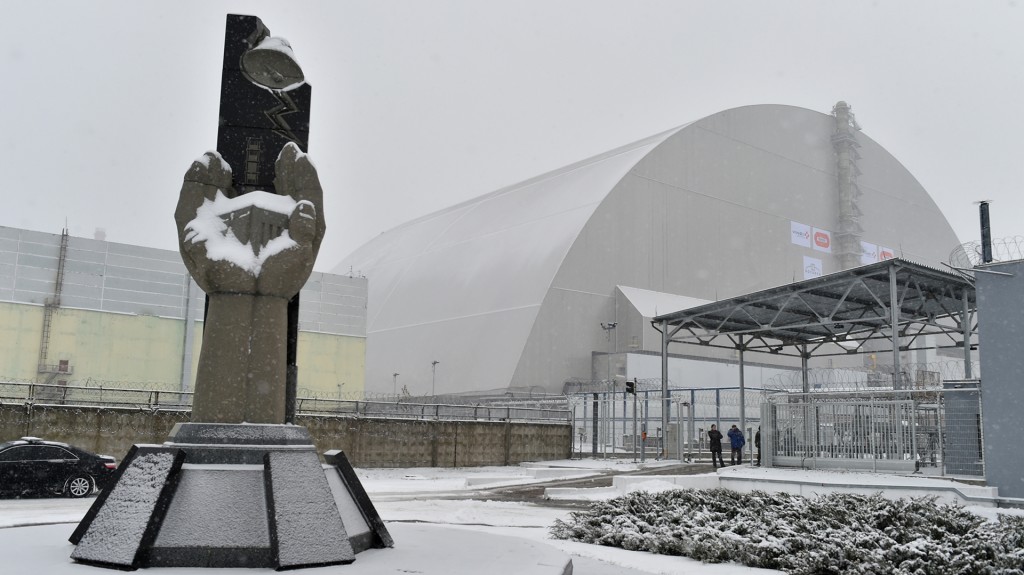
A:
x: 239, y: 486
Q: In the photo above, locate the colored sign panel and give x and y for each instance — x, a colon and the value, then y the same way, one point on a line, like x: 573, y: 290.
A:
x: 800, y: 234
x: 821, y: 240
x: 885, y: 253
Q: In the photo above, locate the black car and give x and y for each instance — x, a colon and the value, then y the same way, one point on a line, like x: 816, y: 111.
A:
x: 32, y: 466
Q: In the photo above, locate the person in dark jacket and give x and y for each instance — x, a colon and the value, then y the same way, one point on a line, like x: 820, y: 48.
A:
x: 715, y: 442
x: 757, y: 444
x: 738, y: 441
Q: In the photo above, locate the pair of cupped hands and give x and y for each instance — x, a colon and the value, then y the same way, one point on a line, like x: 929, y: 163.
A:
x: 284, y: 272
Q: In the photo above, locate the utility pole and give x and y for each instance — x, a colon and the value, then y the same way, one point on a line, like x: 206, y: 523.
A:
x: 433, y: 374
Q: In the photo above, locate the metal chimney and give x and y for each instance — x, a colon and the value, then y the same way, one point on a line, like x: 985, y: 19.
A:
x: 986, y: 234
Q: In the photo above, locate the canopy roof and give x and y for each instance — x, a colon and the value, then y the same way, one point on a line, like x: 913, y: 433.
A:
x: 837, y: 313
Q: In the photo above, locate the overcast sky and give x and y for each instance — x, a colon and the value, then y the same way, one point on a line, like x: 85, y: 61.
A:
x: 418, y: 105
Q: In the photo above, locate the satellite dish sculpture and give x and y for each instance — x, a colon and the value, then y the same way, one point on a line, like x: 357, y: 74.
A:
x: 239, y: 486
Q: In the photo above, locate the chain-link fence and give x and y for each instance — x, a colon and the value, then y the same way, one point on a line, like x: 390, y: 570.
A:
x: 933, y: 431
x: 604, y: 416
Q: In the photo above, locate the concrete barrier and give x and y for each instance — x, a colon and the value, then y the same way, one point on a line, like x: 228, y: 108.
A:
x: 368, y: 442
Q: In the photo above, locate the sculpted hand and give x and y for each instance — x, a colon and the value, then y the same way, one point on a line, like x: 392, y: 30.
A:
x: 250, y: 253
x: 257, y: 243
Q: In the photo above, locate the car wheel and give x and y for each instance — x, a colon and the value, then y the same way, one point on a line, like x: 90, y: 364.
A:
x: 78, y: 486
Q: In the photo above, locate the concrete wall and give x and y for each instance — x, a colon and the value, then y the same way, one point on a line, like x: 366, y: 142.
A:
x: 1001, y: 337
x: 367, y: 442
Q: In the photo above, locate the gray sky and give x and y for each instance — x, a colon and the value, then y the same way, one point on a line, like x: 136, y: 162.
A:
x: 419, y: 105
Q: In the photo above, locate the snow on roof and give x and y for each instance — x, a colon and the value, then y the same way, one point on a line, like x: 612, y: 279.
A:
x: 653, y: 303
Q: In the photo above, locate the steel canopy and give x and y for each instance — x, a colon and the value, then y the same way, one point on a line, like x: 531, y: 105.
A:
x: 836, y: 314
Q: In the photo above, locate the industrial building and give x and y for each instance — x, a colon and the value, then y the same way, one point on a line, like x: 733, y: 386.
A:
x: 86, y: 312
x: 554, y: 280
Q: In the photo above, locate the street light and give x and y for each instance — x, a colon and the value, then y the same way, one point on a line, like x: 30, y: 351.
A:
x: 395, y: 379
x: 433, y: 373
x: 608, y: 327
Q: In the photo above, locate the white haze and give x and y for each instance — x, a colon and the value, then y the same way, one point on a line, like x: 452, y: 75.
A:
x: 419, y: 105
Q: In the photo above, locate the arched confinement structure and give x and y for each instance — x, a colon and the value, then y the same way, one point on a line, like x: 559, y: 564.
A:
x: 517, y: 288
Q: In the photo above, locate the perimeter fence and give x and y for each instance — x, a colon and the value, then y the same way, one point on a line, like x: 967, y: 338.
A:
x: 605, y: 416
x: 534, y: 408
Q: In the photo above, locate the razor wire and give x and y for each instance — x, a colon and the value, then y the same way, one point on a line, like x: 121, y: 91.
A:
x: 969, y: 254
x: 911, y: 376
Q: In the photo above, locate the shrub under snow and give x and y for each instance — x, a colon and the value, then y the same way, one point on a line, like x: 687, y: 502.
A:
x: 836, y: 533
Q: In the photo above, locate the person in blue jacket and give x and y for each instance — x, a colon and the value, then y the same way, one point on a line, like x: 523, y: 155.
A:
x: 738, y: 441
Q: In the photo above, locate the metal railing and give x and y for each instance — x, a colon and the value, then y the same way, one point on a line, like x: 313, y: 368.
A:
x: 532, y: 410
x: 509, y: 410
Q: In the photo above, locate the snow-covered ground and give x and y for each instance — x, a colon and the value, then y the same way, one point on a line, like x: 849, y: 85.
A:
x: 441, y: 496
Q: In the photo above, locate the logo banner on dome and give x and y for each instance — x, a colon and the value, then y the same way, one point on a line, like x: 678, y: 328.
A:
x: 800, y: 234
x: 868, y: 253
x: 821, y: 240
x: 812, y: 268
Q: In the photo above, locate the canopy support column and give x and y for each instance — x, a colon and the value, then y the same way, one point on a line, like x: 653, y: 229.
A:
x: 806, y: 387
x: 665, y: 403
x: 743, y: 398
x: 965, y: 328
x: 894, y: 324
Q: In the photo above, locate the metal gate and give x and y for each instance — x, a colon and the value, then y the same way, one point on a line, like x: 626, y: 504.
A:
x: 934, y: 432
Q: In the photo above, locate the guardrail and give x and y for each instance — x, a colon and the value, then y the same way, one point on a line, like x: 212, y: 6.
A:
x: 165, y: 400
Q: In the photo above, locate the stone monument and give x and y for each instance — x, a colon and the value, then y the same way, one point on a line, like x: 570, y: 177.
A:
x: 238, y: 486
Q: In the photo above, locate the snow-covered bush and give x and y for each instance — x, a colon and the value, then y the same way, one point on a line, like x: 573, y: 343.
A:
x: 836, y: 533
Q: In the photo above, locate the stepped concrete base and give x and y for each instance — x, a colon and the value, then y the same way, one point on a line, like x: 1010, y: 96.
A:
x: 218, y: 495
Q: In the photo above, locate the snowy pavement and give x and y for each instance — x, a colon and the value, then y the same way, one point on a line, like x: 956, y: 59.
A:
x: 407, y: 498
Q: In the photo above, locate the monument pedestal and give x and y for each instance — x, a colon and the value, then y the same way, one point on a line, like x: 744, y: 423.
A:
x: 230, y: 495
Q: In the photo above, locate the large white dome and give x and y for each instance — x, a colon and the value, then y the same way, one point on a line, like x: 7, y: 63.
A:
x: 509, y: 289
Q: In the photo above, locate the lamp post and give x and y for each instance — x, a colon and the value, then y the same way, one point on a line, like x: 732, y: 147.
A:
x: 433, y: 374
x: 608, y: 327
x: 394, y: 377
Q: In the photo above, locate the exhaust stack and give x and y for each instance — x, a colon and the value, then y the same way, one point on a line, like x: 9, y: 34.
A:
x: 986, y: 233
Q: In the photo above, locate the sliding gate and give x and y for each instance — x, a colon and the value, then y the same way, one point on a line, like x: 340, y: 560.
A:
x: 934, y: 432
